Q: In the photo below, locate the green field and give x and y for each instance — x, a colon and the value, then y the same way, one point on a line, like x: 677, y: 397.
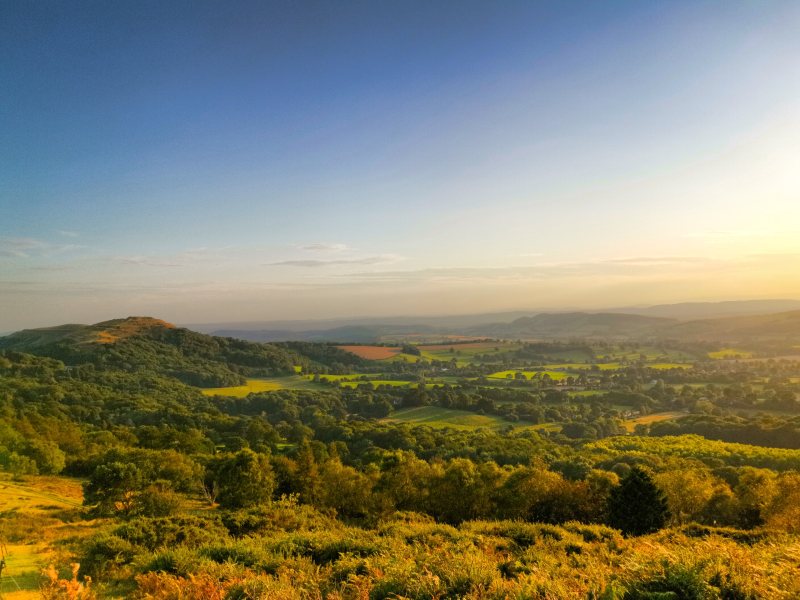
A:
x: 630, y: 424
x: 730, y: 353
x: 433, y: 416
x: 266, y: 384
x: 511, y: 374
x: 465, y: 354
x: 377, y: 382
x: 609, y: 366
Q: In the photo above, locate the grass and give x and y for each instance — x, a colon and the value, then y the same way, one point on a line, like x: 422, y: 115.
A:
x: 434, y: 416
x: 730, y: 353
x: 32, y: 528
x: 609, y: 366
x: 377, y: 382
x: 511, y: 373
x: 266, y: 384
x: 667, y: 366
x: 630, y: 424
x: 371, y: 352
x: 253, y: 386
x: 465, y: 354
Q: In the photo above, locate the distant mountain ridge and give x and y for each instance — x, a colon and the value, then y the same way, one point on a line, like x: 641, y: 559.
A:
x: 575, y: 324
x: 514, y: 324
x: 689, y: 311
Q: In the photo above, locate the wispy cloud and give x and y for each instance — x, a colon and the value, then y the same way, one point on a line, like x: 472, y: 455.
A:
x: 25, y: 247
x: 14, y: 247
x: 321, y: 247
x: 147, y: 261
x: 367, y: 260
x: 69, y: 234
x: 180, y: 259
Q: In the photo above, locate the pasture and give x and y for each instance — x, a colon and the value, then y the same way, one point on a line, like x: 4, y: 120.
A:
x: 372, y: 352
x: 434, y: 416
x: 630, y: 424
x: 730, y: 354
x: 265, y: 384
x: 512, y: 374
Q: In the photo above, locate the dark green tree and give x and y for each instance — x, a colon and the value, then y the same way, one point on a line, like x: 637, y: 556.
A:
x: 242, y: 479
x: 113, y: 488
x: 637, y: 506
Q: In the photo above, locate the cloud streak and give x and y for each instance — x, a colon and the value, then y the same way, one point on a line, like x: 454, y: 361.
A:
x: 318, y: 247
x: 316, y: 263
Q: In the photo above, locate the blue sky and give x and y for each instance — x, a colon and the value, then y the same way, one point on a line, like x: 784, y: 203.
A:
x: 223, y: 161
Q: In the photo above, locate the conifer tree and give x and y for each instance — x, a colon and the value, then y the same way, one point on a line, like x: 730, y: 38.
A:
x: 637, y: 506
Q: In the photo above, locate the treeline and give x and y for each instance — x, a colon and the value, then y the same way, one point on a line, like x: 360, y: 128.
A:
x: 771, y: 431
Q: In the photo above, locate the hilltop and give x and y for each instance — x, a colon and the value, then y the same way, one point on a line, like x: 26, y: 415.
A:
x: 148, y: 344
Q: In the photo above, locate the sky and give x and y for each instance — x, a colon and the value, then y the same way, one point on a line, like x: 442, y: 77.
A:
x: 229, y: 161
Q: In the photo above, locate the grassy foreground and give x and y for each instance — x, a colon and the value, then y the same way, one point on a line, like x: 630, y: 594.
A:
x: 37, y: 518
x: 287, y: 551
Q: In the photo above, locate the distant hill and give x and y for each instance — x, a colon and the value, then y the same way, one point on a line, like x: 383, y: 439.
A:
x: 147, y: 344
x: 396, y: 323
x: 689, y: 311
x: 574, y: 324
x: 363, y: 334
x: 778, y: 326
x: 512, y: 324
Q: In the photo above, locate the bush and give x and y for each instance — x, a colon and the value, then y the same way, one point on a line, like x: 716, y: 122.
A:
x: 164, y: 532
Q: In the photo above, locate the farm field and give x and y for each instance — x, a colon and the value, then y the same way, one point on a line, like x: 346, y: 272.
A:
x: 254, y: 386
x: 466, y: 353
x: 650, y: 353
x: 463, y: 353
x: 609, y: 366
x: 378, y: 382
x: 630, y: 424
x: 511, y: 373
x: 730, y: 353
x: 433, y: 416
x: 372, y: 352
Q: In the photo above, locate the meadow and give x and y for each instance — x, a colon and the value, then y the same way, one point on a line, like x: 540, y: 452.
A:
x: 434, y: 416
x: 266, y: 384
x: 730, y: 353
x: 37, y: 518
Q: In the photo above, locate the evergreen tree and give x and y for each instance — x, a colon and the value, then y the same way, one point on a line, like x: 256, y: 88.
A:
x: 637, y: 506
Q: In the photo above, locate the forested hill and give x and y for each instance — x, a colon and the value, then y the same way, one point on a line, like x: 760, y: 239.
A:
x: 144, y: 344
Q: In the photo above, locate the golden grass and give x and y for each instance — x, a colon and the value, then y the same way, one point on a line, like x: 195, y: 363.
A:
x: 129, y: 327
x: 630, y: 424
x: 730, y: 353
x: 33, y: 529
x: 253, y: 386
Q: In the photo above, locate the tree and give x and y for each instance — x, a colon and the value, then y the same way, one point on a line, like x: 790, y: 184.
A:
x: 113, y: 487
x: 637, y: 506
x: 242, y: 479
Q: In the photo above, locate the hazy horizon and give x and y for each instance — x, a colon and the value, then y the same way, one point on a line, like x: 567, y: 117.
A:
x: 206, y: 162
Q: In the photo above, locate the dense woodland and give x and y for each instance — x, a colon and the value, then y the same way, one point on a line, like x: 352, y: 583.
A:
x: 318, y: 492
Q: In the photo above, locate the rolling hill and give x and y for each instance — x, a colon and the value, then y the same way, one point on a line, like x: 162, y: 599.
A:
x: 144, y: 343
x: 778, y: 326
x: 574, y: 324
